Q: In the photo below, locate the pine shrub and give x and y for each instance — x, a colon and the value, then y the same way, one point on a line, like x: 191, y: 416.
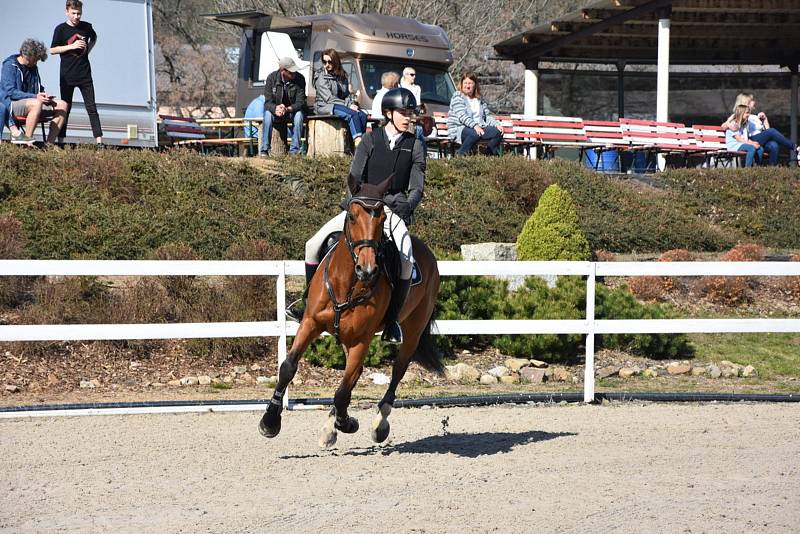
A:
x: 553, y: 231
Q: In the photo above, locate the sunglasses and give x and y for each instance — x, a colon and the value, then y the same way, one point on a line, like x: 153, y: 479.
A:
x: 413, y: 74
x: 327, y: 62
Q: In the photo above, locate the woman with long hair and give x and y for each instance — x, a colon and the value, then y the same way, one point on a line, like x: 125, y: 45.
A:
x: 470, y: 120
x: 759, y: 130
x: 333, y: 95
x: 736, y: 136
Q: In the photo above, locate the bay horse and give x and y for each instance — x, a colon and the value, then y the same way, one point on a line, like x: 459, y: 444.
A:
x: 348, y: 297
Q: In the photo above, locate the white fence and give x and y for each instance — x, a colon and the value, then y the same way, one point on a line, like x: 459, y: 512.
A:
x: 281, y: 328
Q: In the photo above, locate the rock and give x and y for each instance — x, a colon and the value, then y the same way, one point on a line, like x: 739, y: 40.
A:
x: 90, y: 384
x: 650, y: 373
x: 240, y: 369
x: 297, y: 381
x: 488, y: 380
x: 698, y: 371
x: 11, y: 388
x: 255, y: 367
x: 499, y: 371
x: 247, y: 378
x: 627, y: 372
x: 678, y: 368
x: 204, y: 380
x: 410, y: 377
x: 730, y: 372
x: 262, y: 379
x: 609, y: 370
x: 713, y: 371
x: 494, y: 252
x: 462, y: 372
x: 538, y: 364
x: 174, y: 383
x: 510, y: 379
x: 134, y: 364
x: 515, y: 364
x: 531, y: 375
x: 188, y: 381
x: 227, y: 379
x: 52, y: 380
x: 749, y: 371
x: 561, y: 375
x: 379, y: 378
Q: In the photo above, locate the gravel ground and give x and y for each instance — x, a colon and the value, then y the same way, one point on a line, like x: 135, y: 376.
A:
x: 623, y: 467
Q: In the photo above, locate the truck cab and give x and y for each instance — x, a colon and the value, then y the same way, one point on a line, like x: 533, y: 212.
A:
x: 368, y: 44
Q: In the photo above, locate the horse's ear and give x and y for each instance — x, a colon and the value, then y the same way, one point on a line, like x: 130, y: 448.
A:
x: 383, y: 187
x: 353, y: 184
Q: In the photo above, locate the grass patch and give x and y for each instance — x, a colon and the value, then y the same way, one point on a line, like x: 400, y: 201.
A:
x: 773, y: 355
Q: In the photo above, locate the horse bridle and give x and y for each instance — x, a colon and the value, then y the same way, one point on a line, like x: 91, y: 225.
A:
x: 374, y: 207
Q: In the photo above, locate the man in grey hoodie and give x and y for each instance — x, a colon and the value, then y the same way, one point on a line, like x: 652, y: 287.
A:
x: 21, y: 85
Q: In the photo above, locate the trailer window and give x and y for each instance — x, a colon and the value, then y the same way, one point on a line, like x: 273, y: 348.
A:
x: 352, y: 76
x: 437, y: 85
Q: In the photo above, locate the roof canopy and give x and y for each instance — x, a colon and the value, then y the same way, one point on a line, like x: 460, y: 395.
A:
x: 744, y: 32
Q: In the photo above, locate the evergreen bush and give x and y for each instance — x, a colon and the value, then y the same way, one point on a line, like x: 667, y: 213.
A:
x: 553, y: 231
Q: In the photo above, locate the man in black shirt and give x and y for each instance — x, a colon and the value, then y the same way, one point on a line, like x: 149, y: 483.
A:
x: 285, y: 102
x: 74, y: 39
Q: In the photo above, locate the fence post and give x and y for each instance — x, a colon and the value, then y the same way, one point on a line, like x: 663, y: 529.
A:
x: 280, y: 290
x: 588, y: 377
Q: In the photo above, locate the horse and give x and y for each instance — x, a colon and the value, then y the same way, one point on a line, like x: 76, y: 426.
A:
x: 348, y: 297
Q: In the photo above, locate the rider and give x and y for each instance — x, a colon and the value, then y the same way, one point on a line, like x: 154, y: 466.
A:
x: 391, y: 149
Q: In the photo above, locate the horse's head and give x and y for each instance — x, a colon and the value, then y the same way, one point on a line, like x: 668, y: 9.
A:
x: 364, y: 227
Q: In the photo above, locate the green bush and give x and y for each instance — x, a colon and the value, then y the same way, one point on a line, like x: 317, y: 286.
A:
x: 553, y: 232
x: 326, y: 352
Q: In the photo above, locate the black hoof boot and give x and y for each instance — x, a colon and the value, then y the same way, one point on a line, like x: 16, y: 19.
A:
x: 270, y: 425
x: 348, y: 425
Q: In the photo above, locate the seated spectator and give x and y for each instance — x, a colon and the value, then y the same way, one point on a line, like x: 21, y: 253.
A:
x: 470, y: 120
x: 409, y: 82
x: 736, y: 136
x: 284, y: 103
x: 21, y: 85
x: 389, y: 80
x: 333, y: 95
x: 759, y: 130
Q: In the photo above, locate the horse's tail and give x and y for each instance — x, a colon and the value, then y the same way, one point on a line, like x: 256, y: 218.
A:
x: 427, y: 354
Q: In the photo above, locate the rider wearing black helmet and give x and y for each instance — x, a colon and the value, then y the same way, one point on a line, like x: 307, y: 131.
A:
x: 390, y: 149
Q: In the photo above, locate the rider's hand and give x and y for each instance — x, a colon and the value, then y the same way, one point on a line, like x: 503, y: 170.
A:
x: 402, y: 210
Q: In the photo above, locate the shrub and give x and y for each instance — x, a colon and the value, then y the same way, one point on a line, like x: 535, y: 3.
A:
x: 792, y: 283
x: 656, y: 288
x: 13, y: 289
x: 326, y: 352
x: 732, y: 290
x: 553, y: 232
x: 744, y: 252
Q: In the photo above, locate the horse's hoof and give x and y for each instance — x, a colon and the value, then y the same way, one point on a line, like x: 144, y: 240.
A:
x: 328, y: 436
x: 381, y: 432
x: 348, y: 426
x: 269, y: 429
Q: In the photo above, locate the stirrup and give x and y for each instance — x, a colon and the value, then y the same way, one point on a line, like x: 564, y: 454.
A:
x: 392, y: 333
x: 296, y: 310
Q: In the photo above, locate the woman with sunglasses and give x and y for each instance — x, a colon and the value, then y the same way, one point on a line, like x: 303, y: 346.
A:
x: 333, y: 95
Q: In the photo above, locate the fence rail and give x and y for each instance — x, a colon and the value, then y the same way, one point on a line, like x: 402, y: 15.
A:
x: 282, y: 329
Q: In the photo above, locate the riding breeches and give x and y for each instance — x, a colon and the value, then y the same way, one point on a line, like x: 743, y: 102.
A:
x: 393, y: 226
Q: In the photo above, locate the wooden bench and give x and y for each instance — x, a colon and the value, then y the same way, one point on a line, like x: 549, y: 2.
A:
x: 605, y: 136
x: 551, y: 133
x: 670, y: 139
x: 712, y: 139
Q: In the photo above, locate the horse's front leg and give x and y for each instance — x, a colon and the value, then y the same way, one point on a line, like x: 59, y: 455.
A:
x: 338, y: 418
x: 270, y: 425
x: 380, y: 424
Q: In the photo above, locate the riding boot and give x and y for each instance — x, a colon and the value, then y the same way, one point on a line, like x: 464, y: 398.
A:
x: 392, y: 333
x: 297, y: 309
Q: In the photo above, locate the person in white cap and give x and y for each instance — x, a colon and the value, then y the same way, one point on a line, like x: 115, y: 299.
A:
x: 284, y: 103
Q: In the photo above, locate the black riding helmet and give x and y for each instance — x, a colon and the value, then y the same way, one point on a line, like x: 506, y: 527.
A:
x: 399, y: 98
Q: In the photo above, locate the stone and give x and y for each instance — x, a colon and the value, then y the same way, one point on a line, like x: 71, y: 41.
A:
x: 380, y: 379
x: 539, y: 364
x: 627, y: 372
x: 262, y: 379
x: 11, y: 388
x: 698, y: 371
x: 134, y: 364
x: 240, y: 369
x: 515, y: 364
x: 730, y: 372
x: 90, y: 384
x: 227, y: 379
x: 650, y: 373
x: 462, y: 372
x: 188, y: 381
x: 678, y: 368
x: 510, y: 379
x: 255, y: 367
x: 560, y: 374
x: 204, y: 380
x: 714, y: 371
x: 499, y: 371
x: 749, y: 371
x: 174, y: 383
x: 247, y: 378
x: 494, y: 252
x: 488, y: 380
x: 157, y: 385
x: 410, y: 377
x: 531, y: 375
x: 607, y: 371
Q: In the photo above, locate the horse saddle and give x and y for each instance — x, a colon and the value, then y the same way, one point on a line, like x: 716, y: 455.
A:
x: 391, y: 255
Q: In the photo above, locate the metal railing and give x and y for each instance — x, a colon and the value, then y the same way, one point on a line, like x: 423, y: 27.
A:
x: 280, y: 328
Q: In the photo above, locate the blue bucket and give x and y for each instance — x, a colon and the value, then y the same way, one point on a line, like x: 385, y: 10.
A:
x: 643, y: 163
x: 608, y: 163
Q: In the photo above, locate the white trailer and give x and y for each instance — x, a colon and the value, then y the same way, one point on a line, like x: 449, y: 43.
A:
x: 123, y: 65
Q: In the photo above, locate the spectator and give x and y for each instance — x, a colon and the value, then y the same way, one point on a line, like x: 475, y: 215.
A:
x: 409, y: 82
x: 21, y: 85
x: 73, y: 40
x: 284, y: 103
x: 255, y: 110
x: 389, y: 80
x: 759, y: 130
x: 333, y: 95
x: 470, y: 120
x: 7, y: 120
x: 736, y: 136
